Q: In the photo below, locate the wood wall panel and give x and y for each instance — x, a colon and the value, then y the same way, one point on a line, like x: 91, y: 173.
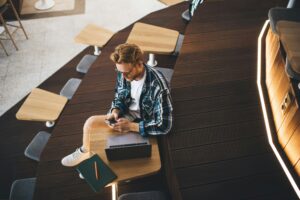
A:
x: 279, y: 85
x: 292, y: 149
x: 277, y: 81
x: 277, y: 90
x: 289, y: 125
x: 297, y: 167
x: 272, y: 49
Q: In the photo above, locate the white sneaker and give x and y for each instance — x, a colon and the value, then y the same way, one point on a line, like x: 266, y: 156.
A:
x: 75, y: 158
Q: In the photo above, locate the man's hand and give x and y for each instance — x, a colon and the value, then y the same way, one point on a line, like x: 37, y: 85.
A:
x: 114, y: 115
x: 124, y: 125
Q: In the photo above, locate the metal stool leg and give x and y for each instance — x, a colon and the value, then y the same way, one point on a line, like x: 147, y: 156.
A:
x: 114, y: 191
x: 18, y: 18
x: 3, y: 48
x: 7, y: 31
x: 152, y: 62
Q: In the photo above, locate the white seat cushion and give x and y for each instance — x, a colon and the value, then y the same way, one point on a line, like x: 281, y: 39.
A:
x: 85, y: 63
x: 178, y: 44
x: 168, y: 73
x: 37, y: 145
x: 70, y: 88
x: 22, y: 189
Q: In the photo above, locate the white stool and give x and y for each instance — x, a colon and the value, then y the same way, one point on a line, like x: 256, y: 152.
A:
x: 168, y: 73
x: 85, y: 63
x: 22, y: 189
x: 37, y: 145
x: 70, y: 88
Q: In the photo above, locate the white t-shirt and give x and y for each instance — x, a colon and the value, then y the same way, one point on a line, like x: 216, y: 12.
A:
x: 136, y: 91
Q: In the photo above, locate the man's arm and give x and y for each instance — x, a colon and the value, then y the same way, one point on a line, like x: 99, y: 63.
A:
x: 162, y: 120
x: 120, y: 96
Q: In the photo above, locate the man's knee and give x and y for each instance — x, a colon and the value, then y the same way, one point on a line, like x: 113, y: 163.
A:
x: 91, y: 122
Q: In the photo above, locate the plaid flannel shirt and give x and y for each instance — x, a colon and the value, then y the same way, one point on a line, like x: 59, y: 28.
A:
x: 155, y: 102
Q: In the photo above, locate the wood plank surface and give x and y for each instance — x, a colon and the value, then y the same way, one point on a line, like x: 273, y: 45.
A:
x: 244, y: 188
x: 234, y: 168
x: 218, y: 144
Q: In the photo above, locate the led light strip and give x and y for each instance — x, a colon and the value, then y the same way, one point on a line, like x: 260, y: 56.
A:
x: 263, y: 105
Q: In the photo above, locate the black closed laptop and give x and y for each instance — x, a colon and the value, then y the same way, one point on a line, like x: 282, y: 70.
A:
x: 127, y: 146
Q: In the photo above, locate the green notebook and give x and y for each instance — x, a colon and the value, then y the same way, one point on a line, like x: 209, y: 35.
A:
x: 88, y: 170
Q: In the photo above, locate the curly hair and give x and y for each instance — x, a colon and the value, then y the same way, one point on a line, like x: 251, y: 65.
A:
x: 127, y: 53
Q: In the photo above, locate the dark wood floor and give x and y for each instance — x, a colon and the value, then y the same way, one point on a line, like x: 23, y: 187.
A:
x: 218, y: 147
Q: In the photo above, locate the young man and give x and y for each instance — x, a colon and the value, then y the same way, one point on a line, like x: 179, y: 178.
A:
x: 142, y: 102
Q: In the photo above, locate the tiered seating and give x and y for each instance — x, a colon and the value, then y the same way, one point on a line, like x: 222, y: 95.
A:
x: 86, y: 102
x: 217, y: 148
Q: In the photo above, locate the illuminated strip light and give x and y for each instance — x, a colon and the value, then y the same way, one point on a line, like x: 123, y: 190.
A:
x: 263, y: 105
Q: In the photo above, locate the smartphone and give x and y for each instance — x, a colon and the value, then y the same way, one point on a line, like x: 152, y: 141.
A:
x: 110, y: 121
